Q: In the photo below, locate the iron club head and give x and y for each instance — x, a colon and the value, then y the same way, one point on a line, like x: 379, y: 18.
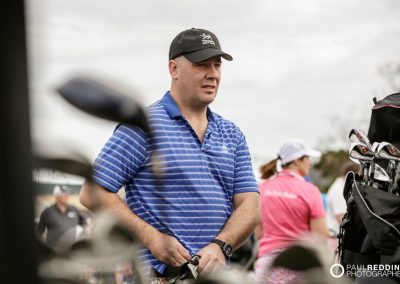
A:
x: 358, y: 135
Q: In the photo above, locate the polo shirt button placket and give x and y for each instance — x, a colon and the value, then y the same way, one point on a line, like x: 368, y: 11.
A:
x: 194, y: 135
x: 205, y: 146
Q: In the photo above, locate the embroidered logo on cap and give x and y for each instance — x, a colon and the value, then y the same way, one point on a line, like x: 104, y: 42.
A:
x: 207, y: 39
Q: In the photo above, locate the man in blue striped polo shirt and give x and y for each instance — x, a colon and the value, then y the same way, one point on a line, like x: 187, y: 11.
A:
x: 207, y: 201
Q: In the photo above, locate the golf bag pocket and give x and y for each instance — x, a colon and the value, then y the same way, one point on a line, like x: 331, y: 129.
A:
x: 378, y: 209
x: 370, y: 231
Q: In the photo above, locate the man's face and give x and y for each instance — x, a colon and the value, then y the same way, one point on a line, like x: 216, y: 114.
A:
x: 198, y: 82
x: 62, y: 199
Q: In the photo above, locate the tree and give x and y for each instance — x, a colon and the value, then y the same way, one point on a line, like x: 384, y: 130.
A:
x: 328, y: 168
x: 391, y: 73
x: 325, y: 172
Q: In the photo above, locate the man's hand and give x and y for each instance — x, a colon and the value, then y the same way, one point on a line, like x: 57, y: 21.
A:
x: 212, y: 259
x: 168, y: 250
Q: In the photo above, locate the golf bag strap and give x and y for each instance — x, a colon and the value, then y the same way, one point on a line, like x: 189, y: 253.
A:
x: 351, y: 257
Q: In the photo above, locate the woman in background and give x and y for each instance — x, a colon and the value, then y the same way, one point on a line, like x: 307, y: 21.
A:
x: 292, y: 208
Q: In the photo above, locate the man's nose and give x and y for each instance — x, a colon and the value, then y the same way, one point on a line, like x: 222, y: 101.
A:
x: 213, y: 72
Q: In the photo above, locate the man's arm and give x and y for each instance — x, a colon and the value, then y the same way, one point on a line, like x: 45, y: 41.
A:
x: 164, y: 247
x: 41, y: 227
x: 258, y: 232
x: 81, y: 217
x: 246, y: 216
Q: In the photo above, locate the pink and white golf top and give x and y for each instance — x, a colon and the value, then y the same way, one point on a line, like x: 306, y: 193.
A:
x: 288, y: 204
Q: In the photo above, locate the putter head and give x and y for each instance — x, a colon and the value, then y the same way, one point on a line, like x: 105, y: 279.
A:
x: 103, y: 101
x: 388, y: 151
x: 359, y: 153
x: 358, y: 135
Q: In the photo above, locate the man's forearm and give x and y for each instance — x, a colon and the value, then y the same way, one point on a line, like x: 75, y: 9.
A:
x: 165, y: 248
x: 96, y: 198
x: 243, y: 221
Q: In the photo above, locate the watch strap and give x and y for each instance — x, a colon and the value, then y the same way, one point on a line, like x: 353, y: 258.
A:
x: 218, y: 242
x: 224, y: 247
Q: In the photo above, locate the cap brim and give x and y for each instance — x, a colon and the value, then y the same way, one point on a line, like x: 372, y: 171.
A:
x: 204, y: 54
x: 313, y: 153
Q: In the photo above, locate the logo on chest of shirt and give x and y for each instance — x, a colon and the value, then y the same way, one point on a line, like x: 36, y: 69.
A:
x: 283, y: 194
x: 224, y: 149
x: 72, y: 214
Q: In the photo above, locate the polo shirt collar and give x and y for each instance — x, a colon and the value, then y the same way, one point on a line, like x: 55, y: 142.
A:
x: 286, y: 172
x: 170, y: 106
x: 173, y: 110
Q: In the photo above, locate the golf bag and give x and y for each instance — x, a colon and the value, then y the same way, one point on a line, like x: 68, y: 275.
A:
x: 370, y: 229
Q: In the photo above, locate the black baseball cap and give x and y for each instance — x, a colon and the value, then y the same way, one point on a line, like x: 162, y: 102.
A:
x: 196, y: 45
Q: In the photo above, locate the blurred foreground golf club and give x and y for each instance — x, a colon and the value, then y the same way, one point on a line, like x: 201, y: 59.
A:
x: 94, y: 260
x: 100, y: 100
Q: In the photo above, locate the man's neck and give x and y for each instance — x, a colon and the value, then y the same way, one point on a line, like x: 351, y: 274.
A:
x: 61, y: 207
x: 195, y: 115
x: 198, y: 121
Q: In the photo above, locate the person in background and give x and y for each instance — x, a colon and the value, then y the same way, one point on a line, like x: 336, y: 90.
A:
x: 207, y: 202
x: 336, y: 204
x: 60, y: 220
x: 291, y: 209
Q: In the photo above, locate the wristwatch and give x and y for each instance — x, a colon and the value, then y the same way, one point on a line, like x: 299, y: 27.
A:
x: 226, y: 248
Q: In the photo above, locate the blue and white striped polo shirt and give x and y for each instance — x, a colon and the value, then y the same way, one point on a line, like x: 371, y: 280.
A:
x: 195, y: 198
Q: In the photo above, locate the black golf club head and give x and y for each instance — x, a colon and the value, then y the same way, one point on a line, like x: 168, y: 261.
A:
x: 65, y: 165
x: 290, y: 256
x: 61, y: 158
x: 103, y: 101
x: 100, y: 100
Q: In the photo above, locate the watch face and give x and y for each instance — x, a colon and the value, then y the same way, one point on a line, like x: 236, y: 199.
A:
x: 228, y: 250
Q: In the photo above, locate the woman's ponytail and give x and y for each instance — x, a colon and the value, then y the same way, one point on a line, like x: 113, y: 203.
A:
x: 269, y: 169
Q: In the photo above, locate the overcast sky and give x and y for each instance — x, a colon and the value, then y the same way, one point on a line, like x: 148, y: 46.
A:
x: 301, y: 68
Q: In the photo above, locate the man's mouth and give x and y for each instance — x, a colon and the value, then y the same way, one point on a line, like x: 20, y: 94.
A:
x: 208, y: 87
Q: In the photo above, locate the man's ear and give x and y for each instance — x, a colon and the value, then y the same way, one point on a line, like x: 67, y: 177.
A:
x: 173, y: 69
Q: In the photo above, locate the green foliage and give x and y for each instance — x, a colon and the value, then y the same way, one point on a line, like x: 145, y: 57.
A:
x: 328, y: 168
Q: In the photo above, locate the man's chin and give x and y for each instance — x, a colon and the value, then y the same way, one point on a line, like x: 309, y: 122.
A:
x: 209, y: 98
x: 208, y: 101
